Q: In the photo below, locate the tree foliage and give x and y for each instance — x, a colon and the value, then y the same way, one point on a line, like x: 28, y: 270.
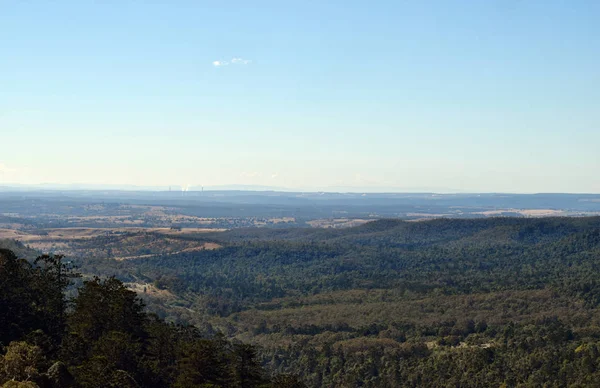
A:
x: 106, y: 339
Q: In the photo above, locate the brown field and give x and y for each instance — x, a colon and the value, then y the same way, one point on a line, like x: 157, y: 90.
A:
x: 525, y: 212
x: 83, y: 233
x: 121, y: 243
x: 150, y: 290
x: 428, y: 215
x: 12, y: 234
x: 206, y: 246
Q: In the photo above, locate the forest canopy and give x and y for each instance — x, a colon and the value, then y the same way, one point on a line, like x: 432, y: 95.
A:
x: 477, y: 302
x: 104, y: 338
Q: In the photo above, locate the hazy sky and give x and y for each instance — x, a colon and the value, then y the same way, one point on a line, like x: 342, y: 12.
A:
x: 495, y: 95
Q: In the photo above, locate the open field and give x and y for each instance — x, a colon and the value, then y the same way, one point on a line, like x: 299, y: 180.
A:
x: 195, y: 248
x: 115, y: 243
x: 525, y: 212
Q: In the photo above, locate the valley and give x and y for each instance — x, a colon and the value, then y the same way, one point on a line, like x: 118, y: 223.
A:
x: 344, y: 302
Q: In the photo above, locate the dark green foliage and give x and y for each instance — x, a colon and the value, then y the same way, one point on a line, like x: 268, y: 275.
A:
x: 443, y: 256
x: 106, y: 306
x: 106, y: 339
x: 247, y: 370
x: 17, y: 312
x: 32, y: 296
x: 485, y: 288
x: 203, y: 362
x: 463, y: 303
x: 287, y: 381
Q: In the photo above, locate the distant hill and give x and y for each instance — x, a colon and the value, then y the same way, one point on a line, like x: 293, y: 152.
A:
x: 20, y: 249
x: 394, y: 303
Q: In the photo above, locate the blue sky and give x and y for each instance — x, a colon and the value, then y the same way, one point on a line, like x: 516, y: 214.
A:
x: 498, y: 95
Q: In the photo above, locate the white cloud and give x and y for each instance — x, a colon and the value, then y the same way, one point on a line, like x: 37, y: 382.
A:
x: 274, y: 175
x: 233, y: 61
x: 240, y: 61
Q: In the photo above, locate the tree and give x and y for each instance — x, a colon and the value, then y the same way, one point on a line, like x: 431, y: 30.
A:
x: 51, y: 278
x: 107, y: 305
x: 32, y: 296
x: 203, y: 362
x: 106, y: 332
x: 287, y: 381
x: 20, y: 363
x: 17, y: 299
x: 247, y: 370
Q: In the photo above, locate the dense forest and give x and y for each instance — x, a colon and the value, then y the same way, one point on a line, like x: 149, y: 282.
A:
x: 509, y: 302
x: 104, y: 338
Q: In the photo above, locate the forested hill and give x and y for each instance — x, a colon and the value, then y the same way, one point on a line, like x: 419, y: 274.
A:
x: 448, y: 256
x: 415, y: 231
x: 104, y: 338
x: 447, y: 302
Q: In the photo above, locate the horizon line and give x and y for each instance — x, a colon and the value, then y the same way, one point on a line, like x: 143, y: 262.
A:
x: 259, y: 188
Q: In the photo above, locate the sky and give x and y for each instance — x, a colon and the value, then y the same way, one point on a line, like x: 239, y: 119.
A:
x: 390, y: 95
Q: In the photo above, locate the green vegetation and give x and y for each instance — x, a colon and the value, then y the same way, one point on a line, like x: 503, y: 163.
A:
x: 479, y: 302
x: 509, y: 302
x: 103, y: 337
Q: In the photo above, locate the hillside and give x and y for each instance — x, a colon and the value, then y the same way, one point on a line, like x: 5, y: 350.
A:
x: 394, y: 303
x: 104, y: 338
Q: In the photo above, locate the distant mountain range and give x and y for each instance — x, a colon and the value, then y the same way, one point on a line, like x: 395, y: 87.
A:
x: 231, y: 187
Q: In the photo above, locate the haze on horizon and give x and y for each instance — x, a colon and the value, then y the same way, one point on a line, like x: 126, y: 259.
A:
x: 495, y: 96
